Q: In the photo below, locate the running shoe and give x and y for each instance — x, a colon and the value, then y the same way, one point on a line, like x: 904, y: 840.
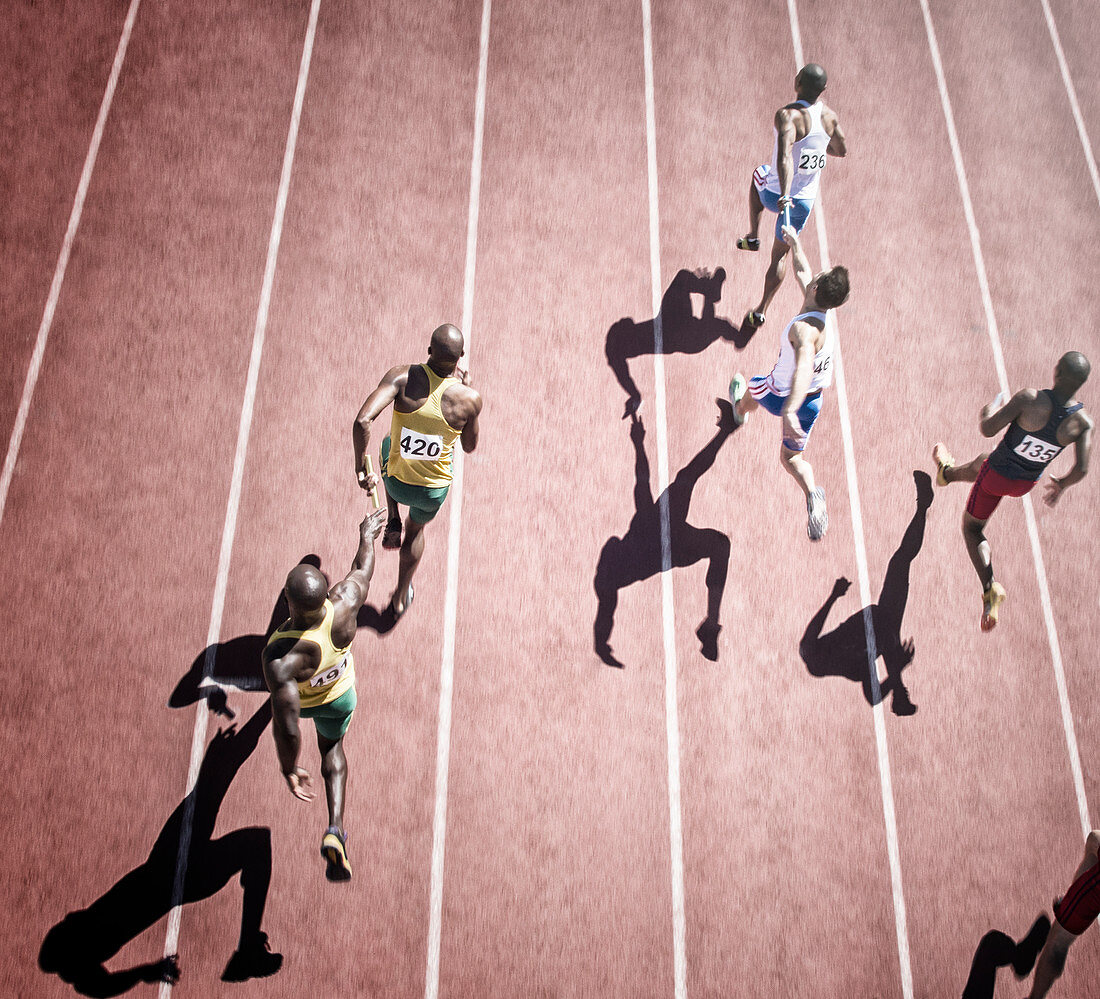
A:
x: 334, y: 848
x: 817, y: 517
x: 737, y: 389
x: 991, y: 605
x: 942, y: 457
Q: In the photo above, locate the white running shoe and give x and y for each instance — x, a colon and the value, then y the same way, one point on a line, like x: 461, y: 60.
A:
x: 817, y: 517
x: 738, y: 385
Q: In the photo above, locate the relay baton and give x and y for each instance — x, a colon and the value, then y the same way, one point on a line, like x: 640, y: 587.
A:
x: 373, y: 489
x: 787, y: 213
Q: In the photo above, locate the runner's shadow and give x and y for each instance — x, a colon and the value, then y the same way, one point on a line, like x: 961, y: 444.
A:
x: 843, y: 652
x: 999, y: 950
x: 637, y: 554
x: 681, y: 331
x: 78, y: 947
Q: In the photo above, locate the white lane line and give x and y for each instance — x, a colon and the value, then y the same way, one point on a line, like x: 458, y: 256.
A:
x: 1072, y: 93
x: 668, y: 614
x: 882, y: 747
x: 213, y: 635
x: 63, y: 261
x: 1002, y: 379
x: 450, y: 603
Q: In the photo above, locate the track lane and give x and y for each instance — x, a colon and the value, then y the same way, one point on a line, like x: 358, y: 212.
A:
x: 55, y: 66
x: 124, y: 450
x: 779, y: 764
x: 1010, y: 778
x: 557, y: 854
x: 359, y: 288
x: 1041, y: 250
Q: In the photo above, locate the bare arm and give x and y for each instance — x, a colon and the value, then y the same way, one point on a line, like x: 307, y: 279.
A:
x: 802, y: 339
x: 1082, y: 447
x: 786, y: 134
x: 375, y: 403
x: 349, y: 594
x: 995, y: 418
x: 471, y: 405
x: 285, y: 716
x: 803, y: 273
x: 838, y: 145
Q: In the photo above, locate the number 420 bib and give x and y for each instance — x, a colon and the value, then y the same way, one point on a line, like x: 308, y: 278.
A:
x: 420, y: 447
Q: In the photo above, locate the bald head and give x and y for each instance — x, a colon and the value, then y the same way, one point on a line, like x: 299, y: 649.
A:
x: 306, y: 589
x: 810, y: 82
x: 1073, y: 370
x: 447, y: 344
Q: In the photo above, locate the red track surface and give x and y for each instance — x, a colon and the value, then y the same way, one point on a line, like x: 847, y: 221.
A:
x: 557, y: 852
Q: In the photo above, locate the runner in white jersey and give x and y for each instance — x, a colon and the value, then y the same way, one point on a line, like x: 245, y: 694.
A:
x: 805, y: 133
x: 792, y: 389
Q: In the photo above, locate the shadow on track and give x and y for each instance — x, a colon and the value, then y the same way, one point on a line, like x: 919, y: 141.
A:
x: 681, y: 331
x: 637, y: 554
x: 77, y: 948
x: 999, y: 950
x: 843, y: 652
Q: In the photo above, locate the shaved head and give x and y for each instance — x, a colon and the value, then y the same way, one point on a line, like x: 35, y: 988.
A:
x: 447, y: 343
x: 306, y: 588
x: 1073, y: 369
x: 810, y: 81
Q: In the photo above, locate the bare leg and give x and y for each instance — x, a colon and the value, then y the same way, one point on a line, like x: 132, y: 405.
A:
x: 412, y: 550
x: 756, y: 208
x: 745, y: 405
x: 967, y: 472
x: 393, y: 511
x: 774, y: 277
x: 1052, y: 961
x: 334, y: 769
x: 798, y: 467
x: 978, y: 548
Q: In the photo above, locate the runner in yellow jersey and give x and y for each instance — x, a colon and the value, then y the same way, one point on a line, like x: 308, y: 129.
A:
x: 433, y: 407
x: 310, y: 672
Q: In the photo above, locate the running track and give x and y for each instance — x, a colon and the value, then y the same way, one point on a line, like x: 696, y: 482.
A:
x: 774, y: 835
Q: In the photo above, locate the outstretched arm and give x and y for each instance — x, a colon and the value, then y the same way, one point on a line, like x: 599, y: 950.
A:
x: 375, y: 403
x: 349, y: 594
x: 803, y: 273
x: 643, y: 495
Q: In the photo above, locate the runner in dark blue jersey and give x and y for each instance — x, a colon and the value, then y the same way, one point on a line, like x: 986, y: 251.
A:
x: 1041, y: 424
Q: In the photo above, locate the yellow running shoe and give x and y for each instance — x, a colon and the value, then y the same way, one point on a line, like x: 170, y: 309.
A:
x: 334, y: 848
x: 942, y: 457
x: 991, y: 605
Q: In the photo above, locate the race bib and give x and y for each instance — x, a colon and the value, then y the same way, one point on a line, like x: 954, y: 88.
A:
x: 420, y: 447
x: 811, y: 161
x: 1036, y: 450
x: 330, y: 675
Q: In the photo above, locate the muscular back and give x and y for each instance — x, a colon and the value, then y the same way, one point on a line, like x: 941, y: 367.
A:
x: 458, y: 402
x: 799, y: 117
x: 1036, y: 412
